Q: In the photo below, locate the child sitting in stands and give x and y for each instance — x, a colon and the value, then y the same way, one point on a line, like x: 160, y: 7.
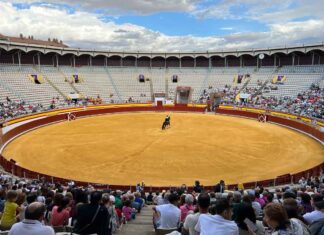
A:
x: 128, y: 211
x: 10, y: 211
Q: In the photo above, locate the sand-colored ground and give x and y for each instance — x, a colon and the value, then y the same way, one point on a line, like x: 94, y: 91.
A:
x: 130, y: 148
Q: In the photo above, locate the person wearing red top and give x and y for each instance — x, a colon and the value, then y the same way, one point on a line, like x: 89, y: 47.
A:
x: 260, y: 200
x: 61, y: 214
x: 187, y: 207
x: 128, y: 210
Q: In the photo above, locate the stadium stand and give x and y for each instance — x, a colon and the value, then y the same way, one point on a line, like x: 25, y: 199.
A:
x: 34, y: 81
x: 120, y: 85
x: 114, y: 78
x: 128, y: 212
x: 16, y: 79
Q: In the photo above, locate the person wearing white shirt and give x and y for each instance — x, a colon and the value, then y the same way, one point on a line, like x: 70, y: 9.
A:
x: 257, y: 208
x: 32, y: 224
x: 168, y: 215
x: 318, y: 213
x: 192, y: 219
x: 302, y: 182
x: 256, y: 205
x: 219, y: 223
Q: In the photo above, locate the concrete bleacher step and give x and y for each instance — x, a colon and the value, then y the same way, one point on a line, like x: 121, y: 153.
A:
x: 132, y: 229
x: 147, y: 220
x: 142, y: 225
x: 146, y: 211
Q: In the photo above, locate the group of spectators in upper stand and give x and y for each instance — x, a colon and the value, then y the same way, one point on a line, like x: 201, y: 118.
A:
x: 10, y: 109
x: 38, y: 207
x: 80, y: 102
x: 308, y: 103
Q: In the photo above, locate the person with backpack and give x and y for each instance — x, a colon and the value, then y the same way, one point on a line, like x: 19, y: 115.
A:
x: 92, y: 217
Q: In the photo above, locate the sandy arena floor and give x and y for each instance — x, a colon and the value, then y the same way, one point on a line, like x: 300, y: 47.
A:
x: 130, y: 148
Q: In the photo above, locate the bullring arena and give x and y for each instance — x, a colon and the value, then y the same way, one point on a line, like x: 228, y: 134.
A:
x: 161, y: 117
x: 120, y: 101
x: 129, y: 147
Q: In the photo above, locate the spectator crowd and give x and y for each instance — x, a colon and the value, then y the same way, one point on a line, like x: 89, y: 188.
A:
x: 294, y: 210
x: 309, y: 103
x: 10, y: 109
x: 40, y: 207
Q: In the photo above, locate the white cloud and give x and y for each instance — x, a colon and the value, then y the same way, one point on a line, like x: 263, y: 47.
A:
x: 274, y: 11
x: 226, y: 28
x: 86, y: 30
x: 265, y: 11
x: 124, y: 6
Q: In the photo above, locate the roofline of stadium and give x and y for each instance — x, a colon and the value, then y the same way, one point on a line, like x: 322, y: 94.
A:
x: 9, y: 46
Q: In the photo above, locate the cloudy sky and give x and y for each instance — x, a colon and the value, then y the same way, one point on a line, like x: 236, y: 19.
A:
x: 166, y: 25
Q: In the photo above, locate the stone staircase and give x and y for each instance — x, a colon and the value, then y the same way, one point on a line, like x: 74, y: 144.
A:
x: 142, y: 225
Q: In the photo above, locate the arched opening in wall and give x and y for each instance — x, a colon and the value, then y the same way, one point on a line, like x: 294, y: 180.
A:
x: 316, y: 57
x: 48, y: 59
x: 6, y: 57
x: 283, y: 59
x: 172, y: 62
x: 187, y: 61
x: 30, y: 57
x: 249, y: 60
x: 129, y: 61
x: 144, y: 61
x: 114, y: 61
x: 268, y: 60
x: 302, y: 58
x: 66, y: 60
x: 217, y: 61
x: 202, y: 61
x: 82, y: 60
x: 98, y: 60
x: 158, y: 61
x: 321, y: 57
x: 233, y: 61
